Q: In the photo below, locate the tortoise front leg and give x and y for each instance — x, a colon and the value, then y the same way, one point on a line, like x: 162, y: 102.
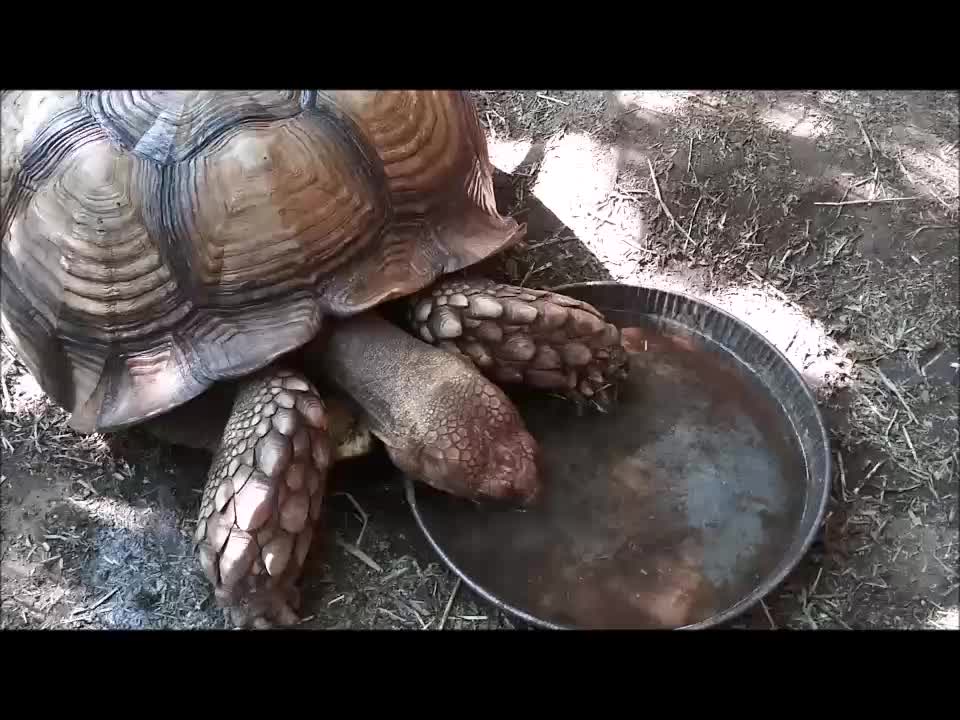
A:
x: 521, y: 335
x: 263, y: 497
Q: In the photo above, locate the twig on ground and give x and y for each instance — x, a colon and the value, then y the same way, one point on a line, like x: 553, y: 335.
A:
x: 393, y: 575
x: 913, y: 450
x: 903, y: 167
x: 913, y: 235
x: 816, y: 582
x: 76, y: 459
x: 446, y: 610
x: 833, y: 616
x: 552, y: 241
x: 866, y: 138
x: 870, y: 202
x: 7, y: 404
x: 896, y: 391
x: 873, y: 470
x: 773, y: 288
x: 552, y: 99
x: 360, y: 510
x: 693, y: 216
x: 97, y: 604
x: 773, y: 625
x: 951, y: 571
x: 656, y: 187
x: 423, y: 625
x: 391, y: 615
x: 359, y: 555
x: 843, y: 477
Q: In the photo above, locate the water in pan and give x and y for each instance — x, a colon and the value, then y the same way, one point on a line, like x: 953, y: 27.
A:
x: 663, y: 513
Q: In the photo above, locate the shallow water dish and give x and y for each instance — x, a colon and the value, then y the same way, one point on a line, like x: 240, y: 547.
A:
x: 682, y: 508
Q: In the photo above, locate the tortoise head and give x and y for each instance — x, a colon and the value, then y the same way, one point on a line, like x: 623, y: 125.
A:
x: 475, y: 446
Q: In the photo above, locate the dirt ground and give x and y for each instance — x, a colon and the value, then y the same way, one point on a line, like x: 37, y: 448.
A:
x: 756, y: 201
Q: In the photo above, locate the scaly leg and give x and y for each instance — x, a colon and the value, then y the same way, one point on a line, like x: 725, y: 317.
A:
x: 521, y: 335
x: 263, y: 497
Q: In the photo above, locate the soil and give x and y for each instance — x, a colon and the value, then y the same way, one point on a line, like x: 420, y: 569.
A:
x: 862, y: 297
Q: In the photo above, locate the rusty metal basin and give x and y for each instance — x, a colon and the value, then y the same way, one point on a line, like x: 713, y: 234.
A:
x: 681, y: 509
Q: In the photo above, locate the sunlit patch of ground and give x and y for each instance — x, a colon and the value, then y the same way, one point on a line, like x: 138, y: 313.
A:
x: 576, y: 175
x: 946, y: 620
x: 668, y: 102
x: 796, y: 119
x: 508, y: 154
x: 929, y: 163
x: 578, y: 181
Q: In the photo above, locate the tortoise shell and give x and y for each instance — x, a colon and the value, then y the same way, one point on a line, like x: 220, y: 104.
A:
x: 155, y: 243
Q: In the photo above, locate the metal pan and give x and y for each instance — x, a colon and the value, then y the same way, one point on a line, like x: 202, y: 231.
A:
x: 680, y: 509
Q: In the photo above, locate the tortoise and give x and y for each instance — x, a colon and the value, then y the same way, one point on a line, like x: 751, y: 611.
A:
x: 277, y: 276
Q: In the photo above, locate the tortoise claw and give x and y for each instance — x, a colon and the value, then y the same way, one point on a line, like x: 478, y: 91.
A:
x: 523, y: 336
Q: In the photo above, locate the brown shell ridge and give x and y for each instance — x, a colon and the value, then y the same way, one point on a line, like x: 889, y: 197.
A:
x: 479, y: 184
x: 417, y: 138
x: 277, y: 303
x: 435, y: 157
x: 410, y: 257
x: 39, y: 348
x: 65, y: 132
x: 172, y: 126
x: 134, y: 297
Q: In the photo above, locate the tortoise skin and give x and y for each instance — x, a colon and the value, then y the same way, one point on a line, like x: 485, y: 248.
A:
x: 518, y: 335
x: 154, y: 243
x: 263, y: 497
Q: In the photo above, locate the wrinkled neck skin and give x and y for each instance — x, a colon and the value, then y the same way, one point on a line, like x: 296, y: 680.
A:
x: 439, y: 418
